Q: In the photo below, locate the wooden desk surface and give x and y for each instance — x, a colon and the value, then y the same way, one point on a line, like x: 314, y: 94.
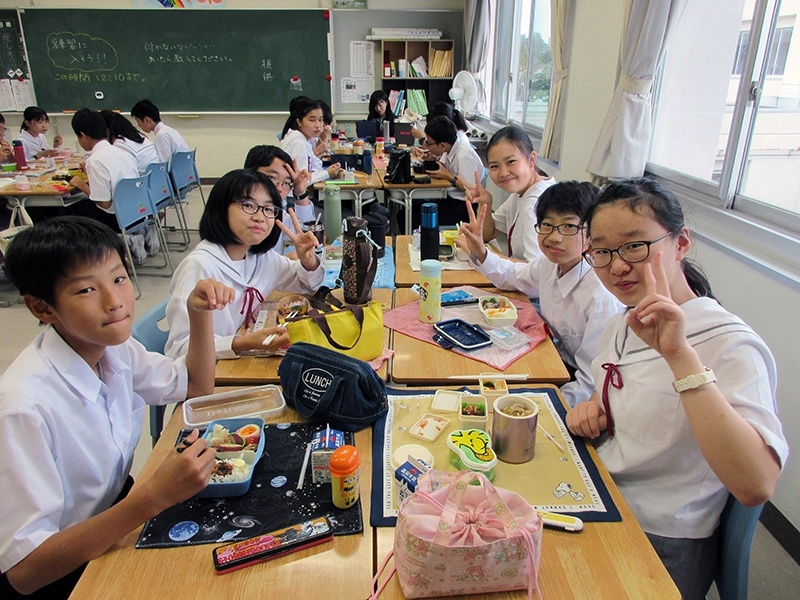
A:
x: 435, y: 184
x: 188, y: 572
x: 365, y: 182
x: 260, y: 370
x: 418, y: 363
x: 405, y: 277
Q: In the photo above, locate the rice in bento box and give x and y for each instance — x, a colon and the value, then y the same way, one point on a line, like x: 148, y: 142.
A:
x: 234, y: 469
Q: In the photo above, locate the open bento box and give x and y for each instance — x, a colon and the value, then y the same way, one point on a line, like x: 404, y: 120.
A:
x: 498, y: 311
x: 261, y: 401
x: 239, y: 444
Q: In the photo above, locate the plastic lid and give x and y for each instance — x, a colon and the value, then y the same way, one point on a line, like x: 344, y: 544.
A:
x: 344, y: 460
x: 401, y: 454
x: 377, y: 139
x: 430, y: 267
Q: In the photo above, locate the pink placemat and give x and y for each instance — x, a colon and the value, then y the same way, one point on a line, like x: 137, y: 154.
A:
x: 405, y: 319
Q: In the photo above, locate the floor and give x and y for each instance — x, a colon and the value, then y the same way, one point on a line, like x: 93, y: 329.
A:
x: 773, y: 573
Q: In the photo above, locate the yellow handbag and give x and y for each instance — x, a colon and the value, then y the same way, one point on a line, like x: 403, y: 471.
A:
x: 355, y: 330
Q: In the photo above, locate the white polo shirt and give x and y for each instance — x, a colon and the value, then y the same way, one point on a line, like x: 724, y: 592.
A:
x: 518, y: 215
x: 105, y: 166
x: 168, y: 141
x: 295, y: 144
x: 144, y: 154
x: 69, y: 436
x: 33, y: 144
x: 461, y: 160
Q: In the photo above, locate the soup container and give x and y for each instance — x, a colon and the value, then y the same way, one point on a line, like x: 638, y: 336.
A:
x: 514, y: 436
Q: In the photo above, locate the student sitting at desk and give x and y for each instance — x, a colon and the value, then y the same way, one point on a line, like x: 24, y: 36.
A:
x: 72, y: 407
x: 684, y: 411
x: 167, y: 140
x: 379, y: 108
x: 238, y: 233
x: 322, y: 145
x: 456, y: 157
x: 35, y: 123
x: 6, y: 151
x: 444, y: 109
x: 122, y: 134
x: 304, y: 125
x: 573, y: 302
x: 512, y: 167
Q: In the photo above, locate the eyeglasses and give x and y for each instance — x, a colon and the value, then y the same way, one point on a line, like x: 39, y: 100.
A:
x: 4, y: 129
x: 632, y: 252
x: 287, y: 185
x: 270, y: 210
x: 568, y: 229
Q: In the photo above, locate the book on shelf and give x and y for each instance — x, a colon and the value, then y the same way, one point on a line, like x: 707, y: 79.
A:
x: 441, y: 63
x: 394, y: 96
x: 420, y: 67
x: 402, y: 68
x: 417, y: 101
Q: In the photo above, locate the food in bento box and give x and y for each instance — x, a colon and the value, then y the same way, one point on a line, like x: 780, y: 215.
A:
x: 235, y: 452
x: 245, y: 438
x: 475, y: 410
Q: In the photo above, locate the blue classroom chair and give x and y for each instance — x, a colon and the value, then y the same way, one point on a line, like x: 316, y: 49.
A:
x: 163, y: 196
x: 737, y: 525
x: 147, y: 332
x: 185, y: 178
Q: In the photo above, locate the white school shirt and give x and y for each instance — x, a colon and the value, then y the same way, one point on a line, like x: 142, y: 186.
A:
x: 295, y: 144
x: 144, y: 154
x: 462, y: 160
x: 265, y: 272
x: 105, y: 166
x: 653, y: 457
x: 576, y: 306
x: 168, y: 141
x: 519, y: 212
x: 33, y: 144
x: 68, y: 437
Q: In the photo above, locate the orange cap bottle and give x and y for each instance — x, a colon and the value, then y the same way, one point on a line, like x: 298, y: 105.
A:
x: 344, y: 464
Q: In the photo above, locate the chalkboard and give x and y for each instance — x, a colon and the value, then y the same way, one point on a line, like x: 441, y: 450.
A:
x: 12, y: 56
x: 182, y: 60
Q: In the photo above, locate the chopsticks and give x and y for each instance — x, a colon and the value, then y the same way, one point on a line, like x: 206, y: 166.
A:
x: 271, y: 337
x: 520, y: 377
x: 550, y: 437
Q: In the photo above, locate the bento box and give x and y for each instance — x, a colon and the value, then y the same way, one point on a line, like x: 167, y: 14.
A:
x: 498, y: 311
x: 240, y: 444
x: 261, y: 401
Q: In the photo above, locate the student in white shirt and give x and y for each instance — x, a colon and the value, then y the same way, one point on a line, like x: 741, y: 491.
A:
x: 238, y: 234
x: 299, y: 137
x: 35, y: 123
x: 573, y: 302
x: 167, y: 140
x: 443, y: 109
x: 72, y: 408
x: 122, y: 134
x: 455, y: 157
x: 512, y: 167
x: 685, y: 410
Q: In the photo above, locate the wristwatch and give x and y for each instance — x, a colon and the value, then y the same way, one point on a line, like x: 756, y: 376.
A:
x: 694, y: 381
x: 302, y: 196
x: 454, y: 181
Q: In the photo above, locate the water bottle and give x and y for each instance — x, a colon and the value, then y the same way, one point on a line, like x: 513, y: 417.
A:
x: 430, y: 293
x: 386, y: 129
x: 429, y: 232
x: 344, y: 476
x: 333, y: 212
x: 19, y: 156
x: 379, y: 147
x: 366, y: 162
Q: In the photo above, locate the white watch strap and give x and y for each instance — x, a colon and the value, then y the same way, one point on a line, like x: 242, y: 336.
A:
x: 694, y: 381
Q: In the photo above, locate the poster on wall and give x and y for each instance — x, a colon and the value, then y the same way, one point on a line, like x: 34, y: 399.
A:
x: 349, y: 3
x: 178, y: 3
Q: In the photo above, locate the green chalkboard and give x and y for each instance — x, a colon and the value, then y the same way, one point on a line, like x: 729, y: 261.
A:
x: 183, y: 60
x: 12, y: 55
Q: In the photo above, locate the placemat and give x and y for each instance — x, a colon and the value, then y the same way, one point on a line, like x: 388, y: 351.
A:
x: 405, y: 319
x: 452, y: 264
x: 563, y: 482
x: 271, y: 503
x: 384, y: 275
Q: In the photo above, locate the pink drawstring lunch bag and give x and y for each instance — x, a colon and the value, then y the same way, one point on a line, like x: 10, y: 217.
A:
x: 454, y: 538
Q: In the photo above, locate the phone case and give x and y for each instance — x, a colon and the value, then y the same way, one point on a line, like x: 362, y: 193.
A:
x: 462, y: 334
x: 271, y: 545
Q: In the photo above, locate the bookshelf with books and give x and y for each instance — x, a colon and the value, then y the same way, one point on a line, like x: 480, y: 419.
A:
x: 417, y: 73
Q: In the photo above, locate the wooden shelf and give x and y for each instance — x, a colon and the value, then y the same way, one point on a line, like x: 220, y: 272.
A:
x: 436, y: 88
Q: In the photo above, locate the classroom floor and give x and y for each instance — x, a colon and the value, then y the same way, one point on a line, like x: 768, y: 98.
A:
x: 773, y: 573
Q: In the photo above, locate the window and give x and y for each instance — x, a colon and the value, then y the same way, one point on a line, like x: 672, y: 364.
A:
x: 522, y: 62
x: 729, y: 125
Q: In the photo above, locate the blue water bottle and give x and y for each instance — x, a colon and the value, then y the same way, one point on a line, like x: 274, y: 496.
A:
x: 429, y: 232
x: 366, y: 162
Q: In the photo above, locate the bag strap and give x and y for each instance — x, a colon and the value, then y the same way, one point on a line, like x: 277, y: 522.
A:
x: 367, y: 266
x: 322, y: 323
x: 18, y: 212
x: 375, y: 592
x: 323, y: 299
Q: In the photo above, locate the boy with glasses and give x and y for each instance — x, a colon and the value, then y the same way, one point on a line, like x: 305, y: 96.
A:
x: 573, y: 302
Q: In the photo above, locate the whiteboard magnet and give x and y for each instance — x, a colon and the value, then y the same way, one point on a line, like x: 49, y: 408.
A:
x: 99, y: 95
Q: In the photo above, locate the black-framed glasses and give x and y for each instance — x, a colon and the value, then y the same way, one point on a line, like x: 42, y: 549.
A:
x: 287, y: 185
x: 567, y: 229
x: 250, y: 207
x: 632, y: 252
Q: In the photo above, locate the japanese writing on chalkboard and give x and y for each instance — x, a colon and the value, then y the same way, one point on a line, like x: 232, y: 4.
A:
x: 266, y: 67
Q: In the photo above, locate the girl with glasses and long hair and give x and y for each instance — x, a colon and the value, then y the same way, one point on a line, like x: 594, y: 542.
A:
x: 684, y: 409
x: 240, y: 226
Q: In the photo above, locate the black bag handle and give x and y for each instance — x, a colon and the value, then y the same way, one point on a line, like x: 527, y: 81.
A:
x: 322, y: 323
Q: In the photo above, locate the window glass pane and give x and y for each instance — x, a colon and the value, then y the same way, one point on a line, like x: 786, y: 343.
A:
x: 696, y: 97
x: 772, y: 169
x: 502, y: 59
x: 741, y: 52
x: 540, y: 65
x: 521, y: 67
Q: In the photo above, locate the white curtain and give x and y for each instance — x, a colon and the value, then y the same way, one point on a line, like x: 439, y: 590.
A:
x: 624, y: 140
x: 476, y: 34
x: 560, y: 47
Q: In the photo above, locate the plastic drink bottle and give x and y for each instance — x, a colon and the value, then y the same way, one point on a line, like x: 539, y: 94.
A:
x: 344, y: 476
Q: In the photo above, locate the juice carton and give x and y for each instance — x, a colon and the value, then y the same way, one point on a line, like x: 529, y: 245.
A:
x: 323, y: 444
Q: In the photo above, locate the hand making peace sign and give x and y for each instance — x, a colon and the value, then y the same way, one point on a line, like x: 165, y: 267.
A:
x: 472, y: 232
x: 304, y: 242
x: 476, y: 193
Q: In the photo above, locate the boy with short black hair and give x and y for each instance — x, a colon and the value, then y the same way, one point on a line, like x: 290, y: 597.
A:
x: 72, y: 407
x: 167, y: 140
x: 573, y: 302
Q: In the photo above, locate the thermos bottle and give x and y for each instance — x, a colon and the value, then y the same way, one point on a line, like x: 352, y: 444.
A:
x: 430, y: 292
x: 366, y: 162
x: 19, y: 156
x: 429, y: 232
x: 333, y: 212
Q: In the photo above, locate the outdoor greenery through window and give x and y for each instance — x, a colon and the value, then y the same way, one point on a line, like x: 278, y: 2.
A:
x: 729, y: 124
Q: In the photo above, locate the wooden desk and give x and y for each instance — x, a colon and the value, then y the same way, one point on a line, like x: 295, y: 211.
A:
x: 259, y: 370
x: 339, y: 568
x: 405, y: 277
x: 417, y: 363
x: 403, y: 194
x: 605, y: 560
x: 356, y: 192
x: 42, y: 192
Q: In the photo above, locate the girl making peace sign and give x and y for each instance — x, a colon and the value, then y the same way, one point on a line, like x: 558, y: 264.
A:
x: 684, y: 410
x: 239, y: 228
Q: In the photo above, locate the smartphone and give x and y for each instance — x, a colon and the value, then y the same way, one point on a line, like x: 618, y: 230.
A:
x: 271, y: 545
x: 457, y: 332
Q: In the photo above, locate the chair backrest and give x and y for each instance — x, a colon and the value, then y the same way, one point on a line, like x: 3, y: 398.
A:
x: 132, y: 200
x: 146, y: 330
x: 183, y: 170
x: 737, y: 525
x: 160, y: 186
